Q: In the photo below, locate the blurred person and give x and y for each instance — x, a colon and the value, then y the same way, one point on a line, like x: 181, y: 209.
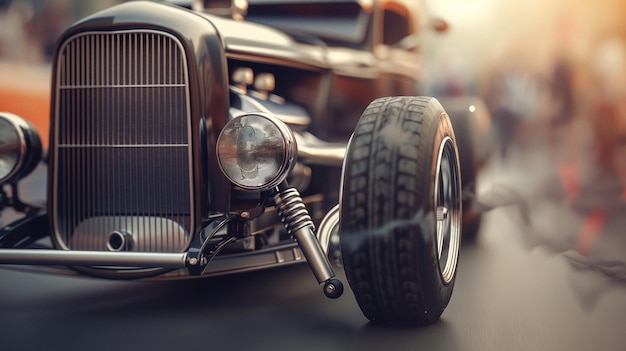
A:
x: 514, y: 96
x: 453, y: 76
x: 594, y: 169
x: 562, y: 108
x: 599, y: 144
x: 562, y: 103
x: 608, y: 105
x: 15, y: 37
x: 54, y: 18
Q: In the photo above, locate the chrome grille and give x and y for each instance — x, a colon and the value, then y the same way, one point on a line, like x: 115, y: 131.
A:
x: 122, y: 148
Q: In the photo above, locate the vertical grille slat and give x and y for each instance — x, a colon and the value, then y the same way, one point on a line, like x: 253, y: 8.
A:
x: 123, y: 144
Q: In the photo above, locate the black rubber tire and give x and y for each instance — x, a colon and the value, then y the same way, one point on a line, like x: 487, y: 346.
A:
x: 390, y: 195
x: 471, y: 128
x: 463, y: 127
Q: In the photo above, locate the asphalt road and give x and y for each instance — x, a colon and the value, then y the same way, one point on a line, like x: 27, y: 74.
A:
x: 520, y: 286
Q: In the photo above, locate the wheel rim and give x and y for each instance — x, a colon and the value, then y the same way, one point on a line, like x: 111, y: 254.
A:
x: 448, y: 209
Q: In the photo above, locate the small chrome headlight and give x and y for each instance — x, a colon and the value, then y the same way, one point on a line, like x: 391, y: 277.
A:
x: 20, y: 148
x: 256, y: 151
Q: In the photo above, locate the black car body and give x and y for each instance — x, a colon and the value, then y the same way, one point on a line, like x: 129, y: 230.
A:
x: 163, y: 119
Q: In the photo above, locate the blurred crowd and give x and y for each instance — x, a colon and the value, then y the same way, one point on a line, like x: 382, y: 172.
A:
x: 552, y: 74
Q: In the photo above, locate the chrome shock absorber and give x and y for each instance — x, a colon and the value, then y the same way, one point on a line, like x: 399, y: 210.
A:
x: 299, y: 224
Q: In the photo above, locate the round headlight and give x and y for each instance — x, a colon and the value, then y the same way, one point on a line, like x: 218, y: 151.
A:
x: 256, y: 151
x: 20, y: 148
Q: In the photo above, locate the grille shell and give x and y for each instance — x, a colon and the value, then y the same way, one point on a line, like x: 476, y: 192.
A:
x: 122, y: 141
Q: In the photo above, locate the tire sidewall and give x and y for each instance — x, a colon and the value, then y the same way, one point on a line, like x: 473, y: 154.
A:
x: 437, y: 294
x: 409, y: 245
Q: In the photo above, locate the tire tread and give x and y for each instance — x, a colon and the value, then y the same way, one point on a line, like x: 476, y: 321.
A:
x: 383, y: 274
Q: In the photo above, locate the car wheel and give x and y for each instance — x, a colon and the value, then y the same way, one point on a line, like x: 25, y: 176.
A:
x: 401, y: 211
x: 471, y: 122
x: 463, y: 127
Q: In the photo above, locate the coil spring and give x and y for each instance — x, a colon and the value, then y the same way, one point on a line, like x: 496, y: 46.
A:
x: 292, y: 211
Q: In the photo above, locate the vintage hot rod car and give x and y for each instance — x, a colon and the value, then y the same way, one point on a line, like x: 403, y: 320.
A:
x: 216, y: 139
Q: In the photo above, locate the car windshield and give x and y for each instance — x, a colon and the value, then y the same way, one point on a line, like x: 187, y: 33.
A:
x: 337, y: 22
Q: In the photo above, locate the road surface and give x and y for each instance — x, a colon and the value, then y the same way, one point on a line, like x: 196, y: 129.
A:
x: 521, y: 286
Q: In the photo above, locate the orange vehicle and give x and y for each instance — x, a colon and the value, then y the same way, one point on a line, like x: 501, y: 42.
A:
x: 25, y: 91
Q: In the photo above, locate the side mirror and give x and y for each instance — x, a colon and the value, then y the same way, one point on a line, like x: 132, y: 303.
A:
x: 409, y: 43
x: 439, y: 25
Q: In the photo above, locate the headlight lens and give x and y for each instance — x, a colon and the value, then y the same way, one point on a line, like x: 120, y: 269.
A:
x: 256, y: 151
x: 20, y: 148
x: 10, y: 146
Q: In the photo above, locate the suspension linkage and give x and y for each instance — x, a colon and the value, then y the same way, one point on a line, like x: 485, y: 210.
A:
x: 198, y: 258
x: 298, y: 222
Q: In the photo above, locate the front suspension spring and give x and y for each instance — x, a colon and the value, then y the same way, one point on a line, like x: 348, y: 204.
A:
x: 292, y: 211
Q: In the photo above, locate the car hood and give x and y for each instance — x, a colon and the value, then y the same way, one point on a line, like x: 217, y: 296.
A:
x: 240, y: 38
x: 260, y: 42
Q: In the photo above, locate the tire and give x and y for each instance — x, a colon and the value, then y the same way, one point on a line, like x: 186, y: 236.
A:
x: 401, y: 167
x: 471, y: 122
x: 469, y: 170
